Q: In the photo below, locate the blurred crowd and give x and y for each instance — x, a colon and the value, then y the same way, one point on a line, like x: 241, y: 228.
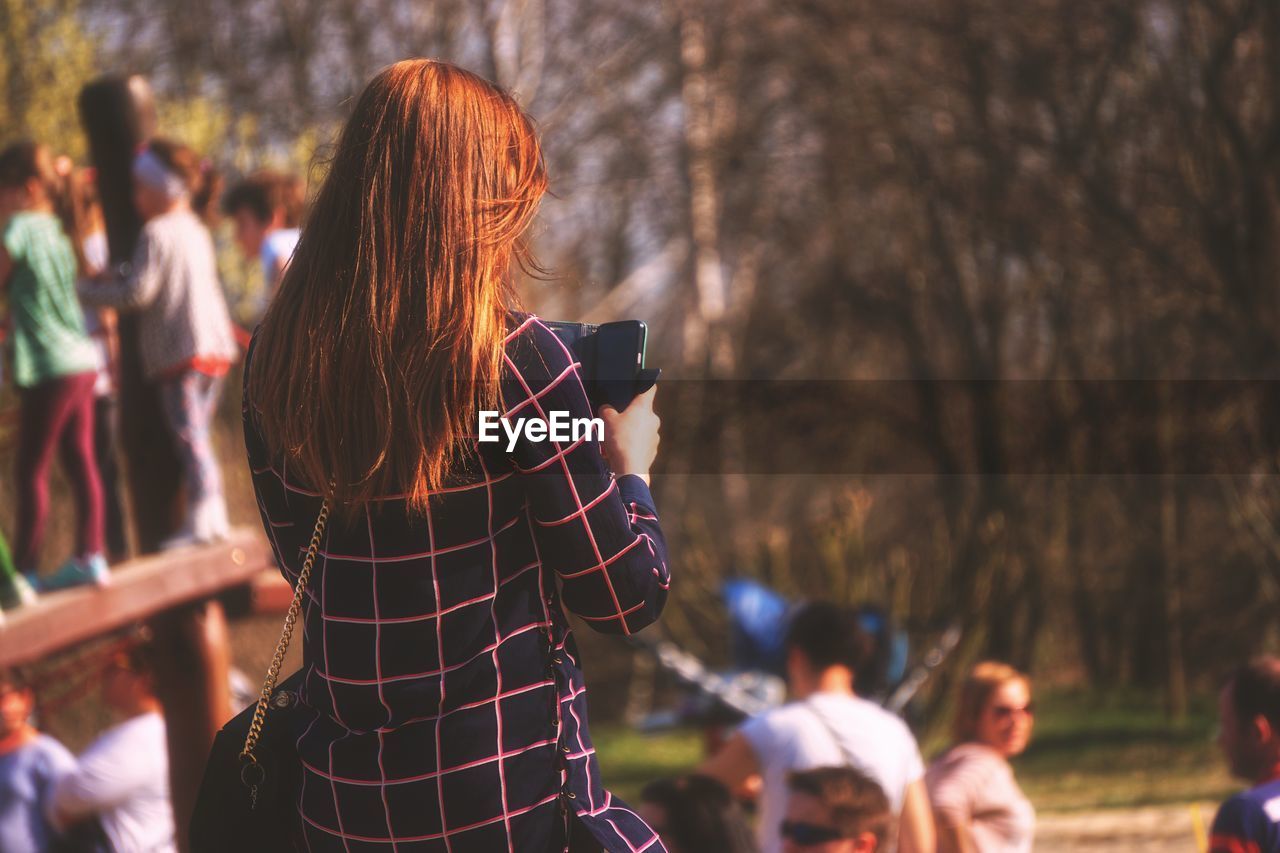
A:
x: 827, y: 771
x: 832, y: 771
x: 114, y: 796
x: 64, y: 296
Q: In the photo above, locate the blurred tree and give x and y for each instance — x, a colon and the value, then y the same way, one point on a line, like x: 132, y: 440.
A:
x: 47, y: 57
x: 981, y: 221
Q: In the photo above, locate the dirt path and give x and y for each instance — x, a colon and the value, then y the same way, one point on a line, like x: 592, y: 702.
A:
x: 1157, y: 828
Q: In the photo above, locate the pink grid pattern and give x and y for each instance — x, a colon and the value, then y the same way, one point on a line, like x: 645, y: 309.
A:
x: 450, y: 710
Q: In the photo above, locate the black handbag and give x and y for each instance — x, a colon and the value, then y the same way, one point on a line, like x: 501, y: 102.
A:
x: 248, y: 797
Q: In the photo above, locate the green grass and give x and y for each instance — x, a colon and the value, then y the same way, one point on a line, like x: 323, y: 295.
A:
x: 1088, y: 752
x: 629, y: 760
x: 1119, y: 751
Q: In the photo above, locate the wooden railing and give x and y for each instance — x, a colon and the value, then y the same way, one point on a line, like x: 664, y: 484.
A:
x: 139, y: 590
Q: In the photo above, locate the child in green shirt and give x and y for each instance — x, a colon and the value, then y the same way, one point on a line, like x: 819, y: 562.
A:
x: 54, y: 366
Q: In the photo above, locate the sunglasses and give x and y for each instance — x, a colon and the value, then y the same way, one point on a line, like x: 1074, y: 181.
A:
x: 1004, y: 712
x: 809, y: 834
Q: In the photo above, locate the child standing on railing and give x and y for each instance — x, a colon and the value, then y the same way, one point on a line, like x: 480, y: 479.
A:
x: 82, y: 219
x: 185, y: 332
x: 54, y: 365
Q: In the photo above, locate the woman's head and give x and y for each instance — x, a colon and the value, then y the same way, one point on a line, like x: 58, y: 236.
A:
x: 995, y: 708
x: 166, y: 175
x: 27, y: 176
x: 385, y: 335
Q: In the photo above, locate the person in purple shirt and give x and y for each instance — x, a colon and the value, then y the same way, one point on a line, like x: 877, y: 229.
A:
x: 30, y: 764
x: 1249, y: 706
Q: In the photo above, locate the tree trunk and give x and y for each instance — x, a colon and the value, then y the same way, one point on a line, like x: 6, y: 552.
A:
x: 1175, y: 666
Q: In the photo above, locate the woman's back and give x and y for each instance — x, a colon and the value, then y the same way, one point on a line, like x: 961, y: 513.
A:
x: 449, y: 702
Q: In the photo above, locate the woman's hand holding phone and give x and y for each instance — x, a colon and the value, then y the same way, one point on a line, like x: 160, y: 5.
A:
x: 631, y: 436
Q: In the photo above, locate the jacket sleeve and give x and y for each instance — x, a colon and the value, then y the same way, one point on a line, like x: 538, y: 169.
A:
x: 599, y: 533
x: 135, y: 290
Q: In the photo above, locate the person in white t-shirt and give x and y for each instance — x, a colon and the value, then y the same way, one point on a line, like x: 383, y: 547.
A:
x: 122, y: 779
x: 826, y: 724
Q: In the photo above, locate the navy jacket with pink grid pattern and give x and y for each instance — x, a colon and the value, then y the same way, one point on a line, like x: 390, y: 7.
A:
x: 448, y: 706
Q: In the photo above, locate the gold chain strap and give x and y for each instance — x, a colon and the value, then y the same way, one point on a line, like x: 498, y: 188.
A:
x: 290, y: 618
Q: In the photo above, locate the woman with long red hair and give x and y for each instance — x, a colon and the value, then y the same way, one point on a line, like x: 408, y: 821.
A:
x: 449, y: 705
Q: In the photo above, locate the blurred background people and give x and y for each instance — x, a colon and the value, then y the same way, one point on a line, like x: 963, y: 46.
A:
x: 30, y: 765
x: 835, y: 810
x: 55, y: 367
x: 266, y: 209
x: 826, y: 724
x: 1249, y: 734
x: 977, y: 803
x: 694, y: 813
x: 81, y: 215
x: 186, y: 335
x: 120, y: 783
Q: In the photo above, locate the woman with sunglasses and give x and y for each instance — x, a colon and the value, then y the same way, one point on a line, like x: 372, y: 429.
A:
x: 976, y: 800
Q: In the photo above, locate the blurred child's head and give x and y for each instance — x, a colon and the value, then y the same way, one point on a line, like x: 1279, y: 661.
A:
x: 693, y: 813
x: 84, y: 196
x: 824, y: 638
x: 17, y: 700
x: 27, y: 176
x: 261, y: 203
x: 1249, y: 719
x: 128, y: 679
x: 835, y: 810
x: 167, y: 175
x: 76, y: 203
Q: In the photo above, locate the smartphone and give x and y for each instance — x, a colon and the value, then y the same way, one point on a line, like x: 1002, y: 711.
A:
x: 619, y: 350
x: 612, y: 358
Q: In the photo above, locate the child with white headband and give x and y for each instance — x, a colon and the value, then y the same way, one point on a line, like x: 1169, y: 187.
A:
x: 185, y: 330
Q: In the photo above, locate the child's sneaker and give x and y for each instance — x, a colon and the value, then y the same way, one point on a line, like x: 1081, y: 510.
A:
x: 16, y: 591
x: 79, y: 572
x: 207, y: 525
x: 209, y: 521
x: 184, y: 538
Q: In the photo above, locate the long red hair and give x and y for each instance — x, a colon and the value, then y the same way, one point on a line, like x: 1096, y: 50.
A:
x: 385, y: 336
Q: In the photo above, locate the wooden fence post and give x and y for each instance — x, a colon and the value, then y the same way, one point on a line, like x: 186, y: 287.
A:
x: 118, y: 115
